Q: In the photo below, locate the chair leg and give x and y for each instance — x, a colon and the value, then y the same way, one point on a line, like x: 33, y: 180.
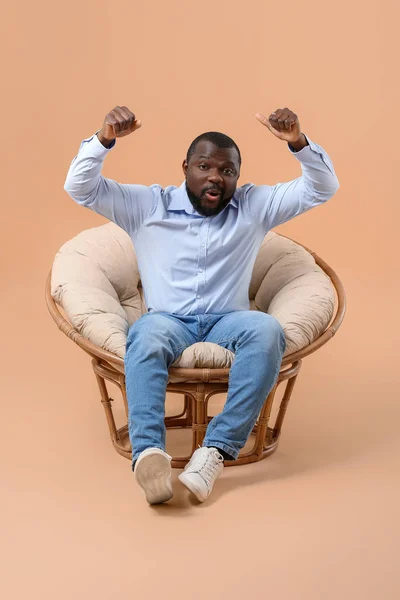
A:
x: 283, y: 406
x: 122, y: 386
x: 200, y: 421
x: 263, y: 421
x: 106, y: 402
x: 189, y: 410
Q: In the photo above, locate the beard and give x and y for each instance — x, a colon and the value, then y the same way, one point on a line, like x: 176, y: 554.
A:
x: 197, y: 202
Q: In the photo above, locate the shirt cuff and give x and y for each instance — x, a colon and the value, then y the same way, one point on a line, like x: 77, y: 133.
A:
x: 302, y: 150
x: 312, y: 153
x: 96, y: 147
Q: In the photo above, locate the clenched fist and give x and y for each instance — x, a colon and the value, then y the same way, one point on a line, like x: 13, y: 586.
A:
x: 118, y: 123
x: 283, y: 123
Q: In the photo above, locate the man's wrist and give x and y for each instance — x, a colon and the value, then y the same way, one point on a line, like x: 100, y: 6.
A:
x: 299, y: 144
x: 106, y: 143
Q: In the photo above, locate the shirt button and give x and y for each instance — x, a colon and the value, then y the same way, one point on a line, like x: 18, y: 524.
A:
x: 201, y: 270
x: 203, y: 245
x: 198, y: 297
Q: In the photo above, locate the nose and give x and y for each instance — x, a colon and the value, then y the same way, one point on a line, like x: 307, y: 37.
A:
x: 214, y: 176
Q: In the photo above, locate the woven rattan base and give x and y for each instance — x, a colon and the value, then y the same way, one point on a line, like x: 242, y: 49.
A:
x: 195, y: 411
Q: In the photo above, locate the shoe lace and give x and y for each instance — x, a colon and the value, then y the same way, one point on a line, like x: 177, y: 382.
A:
x: 207, y: 464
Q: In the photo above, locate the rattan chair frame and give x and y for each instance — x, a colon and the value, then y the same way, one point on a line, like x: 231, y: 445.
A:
x: 201, y: 383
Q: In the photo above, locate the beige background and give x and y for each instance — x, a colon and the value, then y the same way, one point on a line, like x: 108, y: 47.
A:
x: 319, y: 519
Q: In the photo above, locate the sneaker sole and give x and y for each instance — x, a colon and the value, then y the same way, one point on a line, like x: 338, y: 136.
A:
x: 191, y: 487
x: 153, y: 474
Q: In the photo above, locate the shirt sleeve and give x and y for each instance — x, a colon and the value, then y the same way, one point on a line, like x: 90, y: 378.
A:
x: 127, y: 205
x: 274, y: 205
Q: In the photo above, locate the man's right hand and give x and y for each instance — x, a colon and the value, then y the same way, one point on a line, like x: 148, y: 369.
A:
x: 118, y: 123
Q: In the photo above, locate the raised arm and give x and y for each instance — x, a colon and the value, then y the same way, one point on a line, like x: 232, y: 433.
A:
x: 279, y: 203
x: 125, y: 204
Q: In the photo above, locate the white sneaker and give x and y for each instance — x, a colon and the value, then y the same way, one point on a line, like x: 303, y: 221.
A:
x: 201, y: 472
x: 153, y: 474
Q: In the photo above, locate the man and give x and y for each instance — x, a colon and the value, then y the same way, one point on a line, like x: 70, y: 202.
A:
x: 196, y: 246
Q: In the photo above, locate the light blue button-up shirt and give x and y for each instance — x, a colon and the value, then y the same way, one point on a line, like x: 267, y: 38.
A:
x: 191, y: 264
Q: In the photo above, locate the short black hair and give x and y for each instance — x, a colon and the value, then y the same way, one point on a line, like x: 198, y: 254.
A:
x: 218, y: 139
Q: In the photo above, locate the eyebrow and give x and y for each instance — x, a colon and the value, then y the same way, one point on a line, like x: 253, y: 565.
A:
x: 227, y: 162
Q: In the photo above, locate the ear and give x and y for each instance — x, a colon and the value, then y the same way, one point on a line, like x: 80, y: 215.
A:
x: 185, y: 167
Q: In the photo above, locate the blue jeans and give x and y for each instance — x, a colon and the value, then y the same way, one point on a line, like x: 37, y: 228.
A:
x: 157, y: 339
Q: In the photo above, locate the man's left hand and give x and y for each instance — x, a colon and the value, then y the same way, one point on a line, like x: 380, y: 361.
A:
x: 284, y: 124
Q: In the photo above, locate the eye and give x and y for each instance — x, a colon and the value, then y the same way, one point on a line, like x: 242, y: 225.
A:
x: 228, y: 172
x: 203, y: 167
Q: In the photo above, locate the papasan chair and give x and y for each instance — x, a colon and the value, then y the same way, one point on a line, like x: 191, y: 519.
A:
x: 94, y: 294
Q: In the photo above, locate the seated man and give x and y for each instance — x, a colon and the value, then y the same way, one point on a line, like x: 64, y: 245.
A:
x: 196, y: 246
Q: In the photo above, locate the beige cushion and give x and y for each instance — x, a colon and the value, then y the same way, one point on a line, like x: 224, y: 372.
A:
x: 95, y: 279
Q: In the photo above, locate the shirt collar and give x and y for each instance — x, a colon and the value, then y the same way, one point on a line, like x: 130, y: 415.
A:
x: 180, y: 201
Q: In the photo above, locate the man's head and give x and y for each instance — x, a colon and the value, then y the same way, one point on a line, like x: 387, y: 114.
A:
x: 212, y: 169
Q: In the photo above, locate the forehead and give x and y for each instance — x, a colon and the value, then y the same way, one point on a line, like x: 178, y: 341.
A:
x: 208, y: 150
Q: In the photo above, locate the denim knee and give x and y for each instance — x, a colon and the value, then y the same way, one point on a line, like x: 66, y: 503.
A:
x: 269, y: 331
x: 139, y: 333
x: 151, y: 336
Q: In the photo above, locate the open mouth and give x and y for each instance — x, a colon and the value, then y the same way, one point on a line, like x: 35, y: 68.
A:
x: 212, y: 195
